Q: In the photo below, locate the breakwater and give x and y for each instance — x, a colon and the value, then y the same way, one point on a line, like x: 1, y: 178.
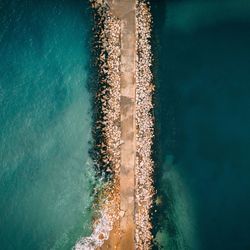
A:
x: 123, y: 31
x: 107, y: 31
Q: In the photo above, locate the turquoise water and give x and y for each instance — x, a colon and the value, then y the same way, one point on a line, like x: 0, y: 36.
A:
x: 202, y: 124
x: 202, y: 111
x: 46, y: 175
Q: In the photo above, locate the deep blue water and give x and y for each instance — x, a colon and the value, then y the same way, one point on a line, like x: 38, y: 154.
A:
x: 202, y: 51
x: 46, y: 175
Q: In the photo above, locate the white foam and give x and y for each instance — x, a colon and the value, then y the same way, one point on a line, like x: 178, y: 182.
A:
x: 100, y: 234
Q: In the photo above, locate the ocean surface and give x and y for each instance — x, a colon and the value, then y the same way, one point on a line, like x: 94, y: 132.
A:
x: 201, y: 67
x: 202, y: 51
x: 46, y: 175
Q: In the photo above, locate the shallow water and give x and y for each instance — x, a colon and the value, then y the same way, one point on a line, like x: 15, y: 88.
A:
x: 46, y: 175
x: 202, y: 111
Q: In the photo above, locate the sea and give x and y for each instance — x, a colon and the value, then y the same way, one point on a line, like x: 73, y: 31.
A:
x: 202, y: 118
x: 202, y: 106
x: 46, y: 173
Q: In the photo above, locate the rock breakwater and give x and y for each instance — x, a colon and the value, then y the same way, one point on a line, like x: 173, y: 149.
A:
x: 109, y: 50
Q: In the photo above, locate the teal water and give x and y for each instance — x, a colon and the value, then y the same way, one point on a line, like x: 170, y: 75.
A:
x: 202, y: 121
x: 202, y: 111
x: 46, y: 175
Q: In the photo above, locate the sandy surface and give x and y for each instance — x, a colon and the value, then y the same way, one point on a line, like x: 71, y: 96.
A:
x: 123, y: 234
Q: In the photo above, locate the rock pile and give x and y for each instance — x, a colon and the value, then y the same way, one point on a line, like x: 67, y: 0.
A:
x: 109, y: 50
x: 144, y: 124
x: 109, y: 96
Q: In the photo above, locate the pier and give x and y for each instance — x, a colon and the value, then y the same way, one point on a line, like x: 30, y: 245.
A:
x: 125, y: 239
x: 124, y: 30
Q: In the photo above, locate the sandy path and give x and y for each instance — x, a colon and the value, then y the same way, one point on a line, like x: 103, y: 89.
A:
x: 123, y: 234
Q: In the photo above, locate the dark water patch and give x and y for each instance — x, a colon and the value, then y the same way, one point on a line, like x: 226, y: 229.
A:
x: 165, y: 136
x: 203, y: 86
